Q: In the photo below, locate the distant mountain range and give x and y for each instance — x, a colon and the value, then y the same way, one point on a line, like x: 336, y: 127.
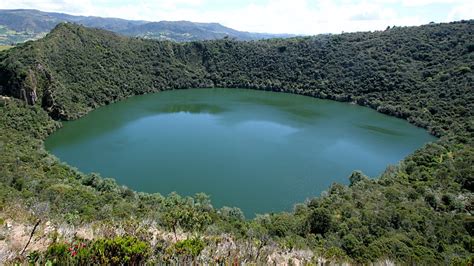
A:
x: 19, y: 25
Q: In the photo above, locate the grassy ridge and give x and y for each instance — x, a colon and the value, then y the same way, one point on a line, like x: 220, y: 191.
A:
x: 419, y: 211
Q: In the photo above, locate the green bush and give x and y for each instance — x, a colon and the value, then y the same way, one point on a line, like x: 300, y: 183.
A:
x: 418, y: 211
x: 58, y: 254
x: 188, y: 248
x: 125, y: 250
x: 119, y: 250
x: 320, y: 221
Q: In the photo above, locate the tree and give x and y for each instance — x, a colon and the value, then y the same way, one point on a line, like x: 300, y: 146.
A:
x: 173, y: 211
x: 356, y: 177
x: 232, y: 213
x: 320, y: 221
x: 184, y: 212
x: 350, y: 244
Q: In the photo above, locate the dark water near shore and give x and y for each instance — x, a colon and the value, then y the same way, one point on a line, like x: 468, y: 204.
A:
x: 260, y: 151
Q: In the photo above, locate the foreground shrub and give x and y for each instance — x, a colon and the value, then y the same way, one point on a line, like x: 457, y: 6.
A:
x: 116, y: 251
x: 185, y: 250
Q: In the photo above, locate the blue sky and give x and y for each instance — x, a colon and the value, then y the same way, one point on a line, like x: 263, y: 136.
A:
x: 277, y: 16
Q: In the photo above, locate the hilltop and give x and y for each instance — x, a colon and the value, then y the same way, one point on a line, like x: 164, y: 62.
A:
x: 182, y: 31
x: 19, y: 25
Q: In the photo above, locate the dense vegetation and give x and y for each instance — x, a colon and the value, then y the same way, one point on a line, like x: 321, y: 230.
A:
x: 19, y: 25
x: 418, y: 211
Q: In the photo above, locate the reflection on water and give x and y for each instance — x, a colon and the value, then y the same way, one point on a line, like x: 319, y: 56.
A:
x: 260, y: 151
x: 381, y: 130
x: 292, y: 108
x: 193, y: 108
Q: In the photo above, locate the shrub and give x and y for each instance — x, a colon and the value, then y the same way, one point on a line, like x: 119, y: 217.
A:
x: 117, y: 251
x: 58, y: 253
x: 120, y: 250
x: 320, y: 221
x: 189, y: 247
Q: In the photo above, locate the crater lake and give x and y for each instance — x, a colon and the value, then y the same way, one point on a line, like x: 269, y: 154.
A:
x: 259, y: 151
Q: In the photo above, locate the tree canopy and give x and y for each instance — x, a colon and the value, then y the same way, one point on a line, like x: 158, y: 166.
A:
x: 419, y: 211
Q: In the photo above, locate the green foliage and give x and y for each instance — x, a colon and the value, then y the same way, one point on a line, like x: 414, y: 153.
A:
x: 232, y: 213
x: 391, y: 71
x: 58, y: 253
x: 418, y: 212
x: 351, y: 245
x: 119, y: 250
x: 188, y: 247
x: 356, y: 177
x: 281, y: 225
x: 186, y: 213
x: 335, y: 254
x: 320, y: 221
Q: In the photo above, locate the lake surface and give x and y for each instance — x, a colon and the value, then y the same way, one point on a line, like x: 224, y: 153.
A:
x: 260, y: 151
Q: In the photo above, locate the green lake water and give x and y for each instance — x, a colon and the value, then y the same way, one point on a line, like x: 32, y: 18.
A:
x: 260, y: 151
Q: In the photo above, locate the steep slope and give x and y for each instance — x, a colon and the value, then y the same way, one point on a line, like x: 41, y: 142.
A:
x: 417, y: 212
x: 413, y: 73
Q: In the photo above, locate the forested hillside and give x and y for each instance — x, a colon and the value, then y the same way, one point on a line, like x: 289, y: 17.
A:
x: 416, y: 212
x: 184, y: 31
x: 20, y: 25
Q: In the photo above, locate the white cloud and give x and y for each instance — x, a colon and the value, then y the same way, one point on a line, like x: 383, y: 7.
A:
x: 297, y: 16
x: 277, y: 16
x: 419, y: 3
x: 66, y: 6
x: 462, y: 11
